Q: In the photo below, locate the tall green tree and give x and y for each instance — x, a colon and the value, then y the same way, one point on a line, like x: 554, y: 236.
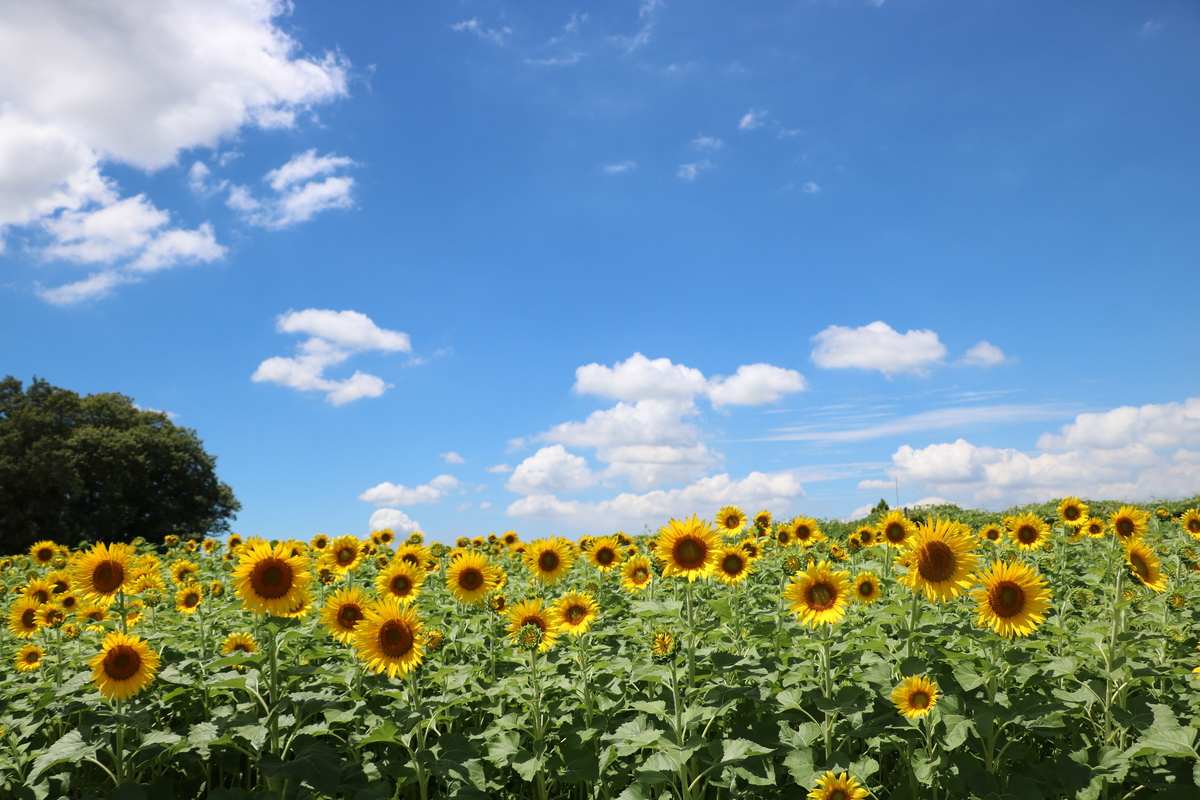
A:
x: 97, y: 467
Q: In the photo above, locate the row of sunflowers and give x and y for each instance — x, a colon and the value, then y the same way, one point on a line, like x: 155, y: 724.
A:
x: 1031, y: 655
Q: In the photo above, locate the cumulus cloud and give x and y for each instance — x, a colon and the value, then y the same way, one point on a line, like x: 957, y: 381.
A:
x: 333, y: 337
x: 394, y: 494
x: 452, y: 457
x: 752, y: 119
x: 500, y: 469
x: 709, y: 144
x: 755, y: 384
x: 1138, y: 453
x: 496, y: 35
x: 691, y: 171
x: 984, y: 354
x: 550, y: 469
x: 880, y: 347
x: 776, y: 490
x: 640, y: 378
x: 301, y: 188
x: 619, y: 167
x: 393, y: 519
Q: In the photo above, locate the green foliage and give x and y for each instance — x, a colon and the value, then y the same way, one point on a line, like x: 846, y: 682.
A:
x: 74, y: 468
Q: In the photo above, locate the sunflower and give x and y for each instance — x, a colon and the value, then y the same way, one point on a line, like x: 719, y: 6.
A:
x: 1128, y: 522
x: 1028, y: 531
x: 532, y: 612
x: 662, y: 645
x: 818, y: 595
x: 762, y: 520
x: 783, y: 536
x: 751, y: 548
x: 549, y: 559
x: 29, y: 658
x: 93, y: 613
x: 471, y: 577
x: 837, y: 786
x: 385, y: 536
x: 1013, y: 599
x: 234, y: 541
x: 940, y: 558
x: 730, y: 519
x: 389, y: 638
x: 184, y: 571
x: 688, y: 548
x: 896, y: 528
x: 124, y: 666
x: 733, y: 565
x: 343, y: 611
x: 1145, y: 566
x: 269, y: 580
x: 991, y: 533
x: 43, y: 552
x: 863, y: 537
x: 866, y: 587
x: 1191, y: 522
x: 319, y: 541
x: 188, y: 599
x: 345, y: 553
x: 1094, y: 527
x: 400, y: 579
x: 575, y: 612
x: 805, y: 531
x: 69, y: 602
x: 916, y: 696
x: 510, y: 538
x: 23, y: 617
x: 1072, y: 511
x: 50, y: 615
x: 39, y: 590
x: 637, y: 574
x: 605, y: 553
x: 60, y: 581
x: 239, y: 643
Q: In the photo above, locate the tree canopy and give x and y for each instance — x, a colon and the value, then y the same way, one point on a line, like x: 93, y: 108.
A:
x: 76, y: 468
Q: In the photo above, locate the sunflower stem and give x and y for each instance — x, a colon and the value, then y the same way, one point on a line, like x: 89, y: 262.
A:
x: 914, y: 616
x: 691, y: 637
x: 827, y: 687
x: 119, y: 745
x: 538, y: 733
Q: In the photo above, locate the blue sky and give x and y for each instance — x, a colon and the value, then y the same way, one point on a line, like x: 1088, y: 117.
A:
x: 343, y: 246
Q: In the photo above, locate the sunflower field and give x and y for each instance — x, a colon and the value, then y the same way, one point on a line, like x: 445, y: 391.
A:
x: 1050, y: 652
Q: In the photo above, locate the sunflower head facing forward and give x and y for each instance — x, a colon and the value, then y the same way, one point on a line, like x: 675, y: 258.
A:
x: 818, y: 595
x: 1072, y: 511
x: 1191, y: 522
x: 1013, y: 599
x: 605, y: 553
x: 940, y: 558
x: 837, y: 786
x: 103, y: 570
x: 549, y: 560
x: 533, y: 613
x: 471, y: 577
x: 1028, y: 531
x: 390, y: 638
x: 576, y: 611
x: 270, y: 580
x: 896, y: 528
x: 637, y: 574
x: 1128, y: 523
x: 730, y: 520
x: 400, y: 579
x: 124, y: 666
x: 343, y: 611
x: 733, y: 565
x: 688, y: 548
x: 916, y: 696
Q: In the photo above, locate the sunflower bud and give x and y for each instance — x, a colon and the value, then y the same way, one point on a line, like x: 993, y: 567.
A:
x: 662, y: 645
x: 530, y: 636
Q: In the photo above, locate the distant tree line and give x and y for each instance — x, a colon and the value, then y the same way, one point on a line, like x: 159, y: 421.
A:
x: 77, y: 468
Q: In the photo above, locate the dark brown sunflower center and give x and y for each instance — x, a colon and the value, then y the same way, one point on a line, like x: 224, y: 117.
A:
x: 470, y: 579
x: 534, y: 620
x: 122, y: 662
x: 838, y: 794
x: 894, y: 532
x: 29, y: 618
x: 349, y: 615
x: 241, y: 647
x: 401, y: 585
x: 395, y: 638
x: 1125, y: 527
x: 41, y: 595
x: 1140, y: 566
x: 272, y: 578
x: 993, y: 534
x: 1071, y: 513
x: 33, y: 657
x: 936, y: 562
x: 640, y: 574
x: 690, y: 553
x: 411, y: 559
x: 919, y: 699
x: 803, y: 532
x: 548, y: 561
x: 784, y: 537
x: 732, y: 564
x: 346, y: 555
x: 866, y: 589
x: 1027, y: 534
x: 732, y: 521
x: 1007, y: 599
x: 576, y: 614
x: 605, y: 556
x: 44, y: 554
x: 60, y: 586
x: 821, y: 596
x: 1193, y: 525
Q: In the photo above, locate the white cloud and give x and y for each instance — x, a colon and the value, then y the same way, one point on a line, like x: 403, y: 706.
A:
x: 93, y: 287
x: 178, y: 246
x: 106, y: 234
x: 392, y: 519
x: 755, y: 384
x: 1135, y: 453
x: 564, y: 60
x: 775, y: 490
x: 640, y: 378
x: 453, y: 457
x: 643, y: 466
x: 393, y: 494
x: 984, y: 354
x: 334, y: 337
x: 302, y: 188
x: 551, y: 469
x: 619, y: 167
x: 708, y: 144
x: 305, y: 166
x: 810, y: 187
x: 752, y: 119
x: 878, y: 346
x: 500, y: 469
x: 647, y: 21
x: 937, y: 419
x: 871, y: 485
x: 498, y: 35
x: 642, y: 422
x: 690, y: 172
x: 200, y: 179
